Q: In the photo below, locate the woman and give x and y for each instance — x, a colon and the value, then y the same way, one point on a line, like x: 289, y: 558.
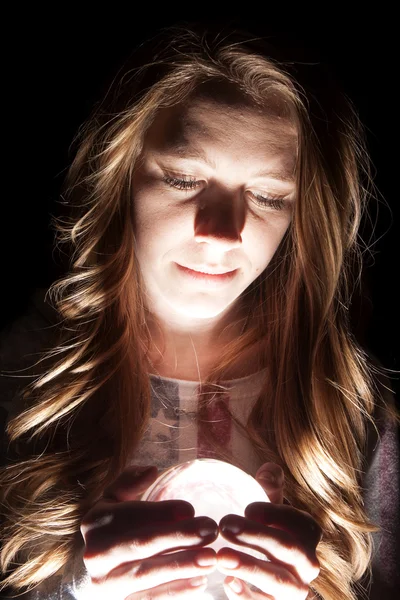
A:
x: 215, y: 204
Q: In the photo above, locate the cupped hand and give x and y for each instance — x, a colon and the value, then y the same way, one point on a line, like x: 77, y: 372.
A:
x: 286, y: 536
x: 138, y: 550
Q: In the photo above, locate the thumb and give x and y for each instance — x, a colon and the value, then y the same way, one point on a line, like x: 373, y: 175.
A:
x: 271, y: 478
x: 131, y: 484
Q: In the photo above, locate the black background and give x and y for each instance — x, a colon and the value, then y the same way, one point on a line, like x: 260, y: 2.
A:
x: 57, y: 65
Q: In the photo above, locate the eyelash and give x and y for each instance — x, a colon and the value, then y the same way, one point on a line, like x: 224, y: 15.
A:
x: 275, y: 202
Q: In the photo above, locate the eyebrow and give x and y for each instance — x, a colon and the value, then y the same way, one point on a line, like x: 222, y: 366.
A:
x: 182, y: 151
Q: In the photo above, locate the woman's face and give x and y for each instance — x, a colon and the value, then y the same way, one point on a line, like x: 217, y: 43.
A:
x: 213, y: 191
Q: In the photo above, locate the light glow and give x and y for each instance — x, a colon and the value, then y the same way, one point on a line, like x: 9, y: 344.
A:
x: 214, y: 488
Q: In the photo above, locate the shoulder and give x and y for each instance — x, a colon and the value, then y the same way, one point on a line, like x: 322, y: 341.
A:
x: 381, y: 484
x: 22, y: 342
x: 385, y: 417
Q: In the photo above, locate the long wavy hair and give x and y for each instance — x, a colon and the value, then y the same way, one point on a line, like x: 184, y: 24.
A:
x: 89, y: 407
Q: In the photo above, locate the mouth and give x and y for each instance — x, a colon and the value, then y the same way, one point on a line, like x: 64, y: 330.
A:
x: 208, y: 277
x: 206, y: 271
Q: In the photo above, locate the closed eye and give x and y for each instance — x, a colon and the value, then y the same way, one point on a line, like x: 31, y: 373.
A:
x: 275, y: 202
x: 190, y: 183
x: 184, y: 183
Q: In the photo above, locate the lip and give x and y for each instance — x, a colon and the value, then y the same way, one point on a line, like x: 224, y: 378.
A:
x: 207, y: 270
x: 207, y: 277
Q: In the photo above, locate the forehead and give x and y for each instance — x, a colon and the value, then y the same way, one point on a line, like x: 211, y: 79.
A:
x: 211, y: 125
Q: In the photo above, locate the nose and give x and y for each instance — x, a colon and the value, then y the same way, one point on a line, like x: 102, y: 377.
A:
x: 220, y: 222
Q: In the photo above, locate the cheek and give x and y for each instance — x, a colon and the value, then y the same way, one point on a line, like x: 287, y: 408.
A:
x: 149, y: 218
x: 157, y: 235
x: 264, y: 241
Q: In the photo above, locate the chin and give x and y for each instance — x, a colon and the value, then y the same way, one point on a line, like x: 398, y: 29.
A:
x: 199, y: 312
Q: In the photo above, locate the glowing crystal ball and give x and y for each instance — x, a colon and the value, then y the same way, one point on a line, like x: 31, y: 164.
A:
x: 215, y: 489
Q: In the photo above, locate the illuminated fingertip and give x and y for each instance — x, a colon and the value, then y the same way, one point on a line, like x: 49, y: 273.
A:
x: 235, y: 585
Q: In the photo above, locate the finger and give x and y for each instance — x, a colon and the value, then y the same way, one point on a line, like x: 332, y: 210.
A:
x: 131, y: 483
x: 233, y: 586
x: 135, y: 577
x: 296, y: 522
x: 269, y: 577
x: 271, y: 478
x: 123, y: 517
x: 277, y: 545
x: 104, y: 553
x: 182, y: 588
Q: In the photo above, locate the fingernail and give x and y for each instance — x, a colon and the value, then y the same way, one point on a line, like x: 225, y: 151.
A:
x: 236, y: 585
x: 197, y: 581
x: 268, y: 477
x: 271, y: 473
x: 206, y: 529
x: 234, y: 528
